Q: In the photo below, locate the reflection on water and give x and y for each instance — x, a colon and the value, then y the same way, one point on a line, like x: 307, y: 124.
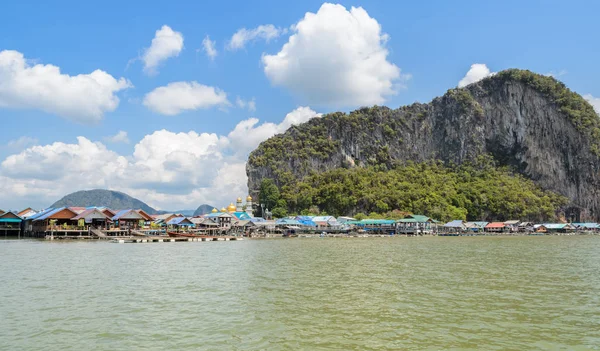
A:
x: 517, y: 293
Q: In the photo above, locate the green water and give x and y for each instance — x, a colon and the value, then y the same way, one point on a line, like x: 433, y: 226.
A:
x: 458, y: 293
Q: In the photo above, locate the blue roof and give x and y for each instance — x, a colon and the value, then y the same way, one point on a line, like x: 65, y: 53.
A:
x: 287, y: 221
x: 307, y: 222
x: 178, y: 220
x: 304, y: 218
x: 241, y: 215
x: 49, y: 213
x: 41, y: 213
x: 120, y: 214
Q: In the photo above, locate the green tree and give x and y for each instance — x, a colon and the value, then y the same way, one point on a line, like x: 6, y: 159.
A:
x: 269, y: 194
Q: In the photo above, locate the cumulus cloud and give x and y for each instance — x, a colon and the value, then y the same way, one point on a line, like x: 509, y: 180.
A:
x: 178, y: 97
x: 167, y: 170
x: 556, y: 74
x: 82, y: 98
x: 120, y: 137
x: 166, y: 43
x: 21, y: 143
x: 209, y: 47
x: 265, y: 32
x: 248, y: 134
x: 477, y: 72
x: 250, y: 104
x: 335, y: 57
x: 594, y: 101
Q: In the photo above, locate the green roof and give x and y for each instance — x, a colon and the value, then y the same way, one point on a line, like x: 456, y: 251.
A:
x: 416, y: 219
x: 10, y: 220
x: 420, y: 218
x: 373, y: 221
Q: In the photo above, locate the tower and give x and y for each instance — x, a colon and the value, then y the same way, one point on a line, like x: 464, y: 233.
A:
x: 249, y: 206
x: 238, y: 205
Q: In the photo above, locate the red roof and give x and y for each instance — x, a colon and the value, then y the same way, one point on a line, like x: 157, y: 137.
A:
x: 496, y: 225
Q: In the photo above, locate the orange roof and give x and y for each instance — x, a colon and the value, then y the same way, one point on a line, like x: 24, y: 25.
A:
x: 496, y: 225
x: 145, y: 215
x: 28, y: 209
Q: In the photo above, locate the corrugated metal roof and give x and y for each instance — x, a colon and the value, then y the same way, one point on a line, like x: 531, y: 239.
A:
x: 496, y: 225
x: 241, y: 215
x: 323, y: 218
x: 49, y: 214
x: 417, y: 218
x: 512, y: 222
x: 9, y: 217
x: 90, y: 211
x: 476, y: 224
x: 373, y: 221
x: 122, y: 213
x: 557, y: 226
x: 287, y: 221
x: 457, y: 223
x: 587, y: 225
x: 180, y: 221
x: 41, y: 213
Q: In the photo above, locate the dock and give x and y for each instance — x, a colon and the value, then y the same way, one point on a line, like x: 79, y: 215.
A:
x: 163, y: 239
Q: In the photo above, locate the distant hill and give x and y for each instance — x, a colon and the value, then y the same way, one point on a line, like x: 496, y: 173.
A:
x: 187, y: 213
x: 99, y: 197
x: 203, y: 209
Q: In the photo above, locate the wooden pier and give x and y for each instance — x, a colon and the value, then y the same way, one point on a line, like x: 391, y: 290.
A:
x: 164, y: 239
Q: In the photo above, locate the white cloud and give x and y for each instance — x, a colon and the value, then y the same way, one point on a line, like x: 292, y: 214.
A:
x: 209, y: 47
x: 166, y: 44
x: 250, y: 104
x: 247, y: 134
x: 21, y: 143
x: 178, y: 97
x: 336, y: 58
x: 120, y: 137
x: 477, y: 72
x: 594, y: 101
x: 556, y: 74
x: 82, y: 98
x: 265, y: 32
x: 167, y: 170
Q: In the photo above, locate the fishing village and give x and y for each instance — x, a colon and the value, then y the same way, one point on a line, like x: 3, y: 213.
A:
x: 235, y: 222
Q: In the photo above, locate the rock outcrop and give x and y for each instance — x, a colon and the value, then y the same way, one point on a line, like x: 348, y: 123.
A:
x: 530, y: 122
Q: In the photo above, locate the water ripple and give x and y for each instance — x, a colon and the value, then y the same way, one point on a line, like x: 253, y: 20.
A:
x: 539, y: 293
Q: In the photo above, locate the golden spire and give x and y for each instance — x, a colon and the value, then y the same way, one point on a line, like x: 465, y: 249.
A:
x: 249, y: 198
x: 214, y: 210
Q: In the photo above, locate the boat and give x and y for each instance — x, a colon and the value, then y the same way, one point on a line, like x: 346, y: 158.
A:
x: 185, y: 235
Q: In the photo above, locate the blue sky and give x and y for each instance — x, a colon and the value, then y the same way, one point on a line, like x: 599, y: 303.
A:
x: 422, y: 48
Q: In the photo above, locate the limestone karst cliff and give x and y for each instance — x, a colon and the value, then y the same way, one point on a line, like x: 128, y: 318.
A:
x: 527, y: 121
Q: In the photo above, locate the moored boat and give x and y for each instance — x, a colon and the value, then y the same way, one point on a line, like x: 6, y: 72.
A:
x: 186, y: 235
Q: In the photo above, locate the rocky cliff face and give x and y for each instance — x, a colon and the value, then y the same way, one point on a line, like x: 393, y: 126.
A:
x: 530, y: 122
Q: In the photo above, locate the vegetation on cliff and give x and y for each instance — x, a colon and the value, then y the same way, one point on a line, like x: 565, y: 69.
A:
x: 529, y: 122
x: 472, y: 191
x: 578, y: 110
